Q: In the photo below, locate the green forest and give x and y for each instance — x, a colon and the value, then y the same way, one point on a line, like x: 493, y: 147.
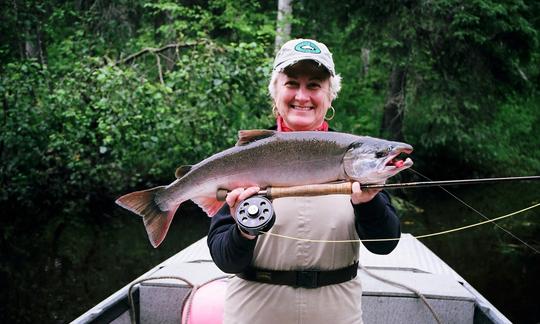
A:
x: 101, y: 97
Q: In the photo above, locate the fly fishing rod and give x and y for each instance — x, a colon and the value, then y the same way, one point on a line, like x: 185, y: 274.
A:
x: 346, y: 187
x: 256, y: 213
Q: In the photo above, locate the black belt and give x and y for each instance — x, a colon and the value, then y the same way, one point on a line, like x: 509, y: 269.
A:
x: 303, y: 278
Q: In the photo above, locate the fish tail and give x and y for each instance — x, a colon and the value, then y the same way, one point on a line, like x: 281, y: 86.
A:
x: 156, y: 221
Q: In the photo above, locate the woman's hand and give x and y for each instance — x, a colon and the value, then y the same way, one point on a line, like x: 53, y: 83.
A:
x: 360, y: 197
x: 236, y: 196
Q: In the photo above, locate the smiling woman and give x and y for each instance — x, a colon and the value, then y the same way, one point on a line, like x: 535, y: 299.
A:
x: 303, y: 85
x: 303, y: 96
x: 304, y: 280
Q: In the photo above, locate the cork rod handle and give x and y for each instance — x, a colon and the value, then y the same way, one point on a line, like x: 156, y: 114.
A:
x: 297, y: 191
x: 310, y: 190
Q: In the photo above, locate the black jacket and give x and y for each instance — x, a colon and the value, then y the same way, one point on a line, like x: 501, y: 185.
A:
x: 233, y: 253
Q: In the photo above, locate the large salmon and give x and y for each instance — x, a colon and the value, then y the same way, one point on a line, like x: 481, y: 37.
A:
x: 267, y: 158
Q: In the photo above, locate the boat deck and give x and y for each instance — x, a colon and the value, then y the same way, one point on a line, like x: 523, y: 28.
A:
x: 415, y: 269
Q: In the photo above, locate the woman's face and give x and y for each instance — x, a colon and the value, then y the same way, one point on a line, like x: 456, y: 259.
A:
x: 302, y: 95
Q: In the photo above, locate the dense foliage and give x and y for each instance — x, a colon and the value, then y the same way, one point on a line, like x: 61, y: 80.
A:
x: 468, y: 76
x: 102, y: 97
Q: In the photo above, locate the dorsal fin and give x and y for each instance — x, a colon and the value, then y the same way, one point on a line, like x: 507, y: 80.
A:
x: 252, y: 135
x: 182, y: 170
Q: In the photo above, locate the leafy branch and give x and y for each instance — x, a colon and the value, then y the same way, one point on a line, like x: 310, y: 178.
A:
x: 156, y: 51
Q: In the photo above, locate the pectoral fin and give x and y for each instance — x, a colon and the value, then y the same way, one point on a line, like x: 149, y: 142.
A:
x: 210, y: 205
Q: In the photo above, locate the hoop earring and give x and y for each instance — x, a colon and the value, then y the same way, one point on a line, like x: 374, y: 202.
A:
x: 333, y: 114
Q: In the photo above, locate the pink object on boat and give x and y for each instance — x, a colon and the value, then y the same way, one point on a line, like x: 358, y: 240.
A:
x: 207, y: 304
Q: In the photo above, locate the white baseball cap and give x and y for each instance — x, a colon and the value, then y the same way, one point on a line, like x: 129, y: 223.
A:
x: 304, y: 49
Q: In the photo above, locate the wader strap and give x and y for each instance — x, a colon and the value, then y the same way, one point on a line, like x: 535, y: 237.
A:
x: 303, y: 278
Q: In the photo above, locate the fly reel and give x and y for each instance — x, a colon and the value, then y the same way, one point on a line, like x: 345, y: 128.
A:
x: 255, y: 214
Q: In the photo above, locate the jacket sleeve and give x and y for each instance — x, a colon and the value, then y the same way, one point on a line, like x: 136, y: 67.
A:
x: 231, y: 252
x: 377, y: 219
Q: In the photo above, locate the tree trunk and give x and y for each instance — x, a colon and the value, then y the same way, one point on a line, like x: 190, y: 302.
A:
x: 394, y: 109
x: 170, y: 55
x: 34, y: 46
x: 284, y: 18
x: 365, y: 61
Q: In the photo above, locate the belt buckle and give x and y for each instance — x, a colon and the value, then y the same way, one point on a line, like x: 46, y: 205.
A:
x: 307, y: 279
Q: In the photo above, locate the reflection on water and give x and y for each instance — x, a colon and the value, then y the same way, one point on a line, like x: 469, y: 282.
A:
x: 89, y: 262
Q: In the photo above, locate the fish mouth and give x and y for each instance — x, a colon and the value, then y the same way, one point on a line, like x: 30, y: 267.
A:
x: 398, y: 159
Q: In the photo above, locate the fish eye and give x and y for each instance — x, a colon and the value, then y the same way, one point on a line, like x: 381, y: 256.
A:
x: 382, y: 153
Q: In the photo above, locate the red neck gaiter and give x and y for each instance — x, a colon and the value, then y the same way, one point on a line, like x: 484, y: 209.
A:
x: 281, y: 127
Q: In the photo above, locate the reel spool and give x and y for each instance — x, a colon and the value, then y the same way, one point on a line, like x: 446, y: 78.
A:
x: 255, y: 214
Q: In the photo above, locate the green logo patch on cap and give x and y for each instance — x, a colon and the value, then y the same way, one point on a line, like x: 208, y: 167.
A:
x: 307, y: 47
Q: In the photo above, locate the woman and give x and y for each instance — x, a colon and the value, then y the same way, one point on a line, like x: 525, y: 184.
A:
x: 289, y: 281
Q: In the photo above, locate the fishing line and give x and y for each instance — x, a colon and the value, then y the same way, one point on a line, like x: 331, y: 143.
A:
x: 417, y: 237
x: 478, y: 212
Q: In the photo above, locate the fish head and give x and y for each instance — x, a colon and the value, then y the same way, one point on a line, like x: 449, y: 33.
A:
x: 371, y: 160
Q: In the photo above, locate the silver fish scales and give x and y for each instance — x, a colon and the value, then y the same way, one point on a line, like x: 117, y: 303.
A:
x: 268, y: 158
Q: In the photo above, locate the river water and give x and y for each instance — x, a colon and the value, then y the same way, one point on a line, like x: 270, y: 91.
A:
x: 505, y: 271
x: 499, y: 266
